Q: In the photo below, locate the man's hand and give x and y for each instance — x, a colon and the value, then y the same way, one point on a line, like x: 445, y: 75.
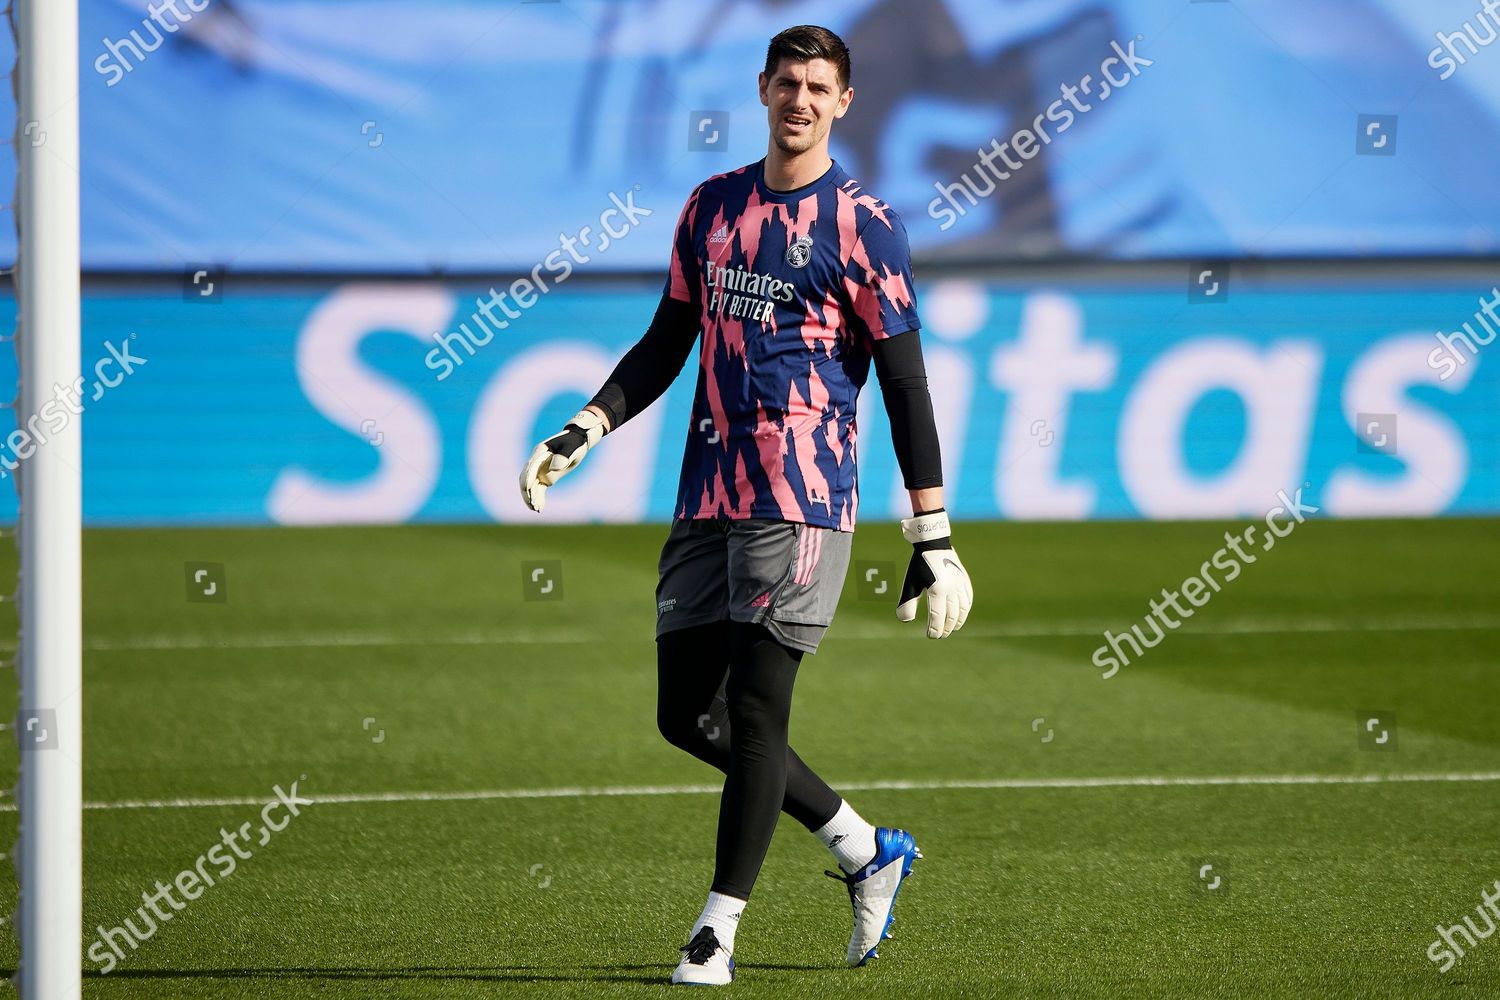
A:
x: 935, y: 571
x: 559, y: 455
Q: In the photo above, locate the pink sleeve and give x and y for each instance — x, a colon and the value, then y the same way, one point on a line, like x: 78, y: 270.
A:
x: 878, y: 280
x: 682, y: 280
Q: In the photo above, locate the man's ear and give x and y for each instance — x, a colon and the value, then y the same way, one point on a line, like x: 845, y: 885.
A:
x: 844, y: 102
x: 762, y: 84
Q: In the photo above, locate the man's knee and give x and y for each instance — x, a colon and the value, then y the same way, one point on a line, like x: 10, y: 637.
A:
x: 670, y: 725
x: 759, y: 715
x: 685, y: 661
x: 754, y: 706
x: 693, y: 733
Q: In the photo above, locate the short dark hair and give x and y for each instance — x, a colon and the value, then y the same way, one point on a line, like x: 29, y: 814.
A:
x: 805, y: 43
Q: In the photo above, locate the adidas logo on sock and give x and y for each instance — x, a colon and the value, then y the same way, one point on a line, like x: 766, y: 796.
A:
x: 721, y: 235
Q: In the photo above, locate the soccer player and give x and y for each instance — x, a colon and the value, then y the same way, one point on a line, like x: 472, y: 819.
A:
x: 796, y: 278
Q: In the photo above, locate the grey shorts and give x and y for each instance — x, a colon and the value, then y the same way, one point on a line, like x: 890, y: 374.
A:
x: 782, y: 575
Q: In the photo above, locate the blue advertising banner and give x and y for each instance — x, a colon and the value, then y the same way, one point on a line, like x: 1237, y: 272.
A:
x: 388, y: 402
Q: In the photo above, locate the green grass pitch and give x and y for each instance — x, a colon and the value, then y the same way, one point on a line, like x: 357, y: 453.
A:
x: 407, y: 662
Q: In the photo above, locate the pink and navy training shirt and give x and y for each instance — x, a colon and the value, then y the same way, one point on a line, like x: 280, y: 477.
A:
x: 793, y: 289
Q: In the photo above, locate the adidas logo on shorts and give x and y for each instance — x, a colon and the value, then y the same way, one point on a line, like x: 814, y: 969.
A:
x: 763, y: 601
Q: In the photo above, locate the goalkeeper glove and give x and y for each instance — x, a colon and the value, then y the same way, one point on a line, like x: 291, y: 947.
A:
x: 559, y: 455
x: 935, y: 571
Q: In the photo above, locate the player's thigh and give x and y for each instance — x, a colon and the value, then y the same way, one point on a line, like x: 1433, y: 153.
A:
x: 692, y: 665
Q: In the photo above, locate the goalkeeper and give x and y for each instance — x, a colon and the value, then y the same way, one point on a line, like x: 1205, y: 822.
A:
x: 796, y: 278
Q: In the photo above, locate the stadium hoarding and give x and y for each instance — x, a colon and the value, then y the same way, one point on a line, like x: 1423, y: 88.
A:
x: 1061, y: 399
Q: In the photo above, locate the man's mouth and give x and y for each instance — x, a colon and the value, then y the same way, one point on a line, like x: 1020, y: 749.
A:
x: 796, y: 123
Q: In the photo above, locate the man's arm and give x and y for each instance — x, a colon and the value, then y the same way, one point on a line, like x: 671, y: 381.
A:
x: 935, y: 569
x: 649, y: 368
x: 927, y: 499
x: 638, y: 380
x: 640, y: 377
x: 903, y: 385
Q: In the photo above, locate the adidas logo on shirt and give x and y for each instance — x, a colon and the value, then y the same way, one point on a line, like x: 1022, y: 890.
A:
x: 721, y: 235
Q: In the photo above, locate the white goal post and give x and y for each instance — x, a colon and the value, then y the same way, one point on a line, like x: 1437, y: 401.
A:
x: 49, y: 860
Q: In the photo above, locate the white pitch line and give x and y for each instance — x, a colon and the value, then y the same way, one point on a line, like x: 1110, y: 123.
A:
x: 1016, y: 630
x: 1139, y: 781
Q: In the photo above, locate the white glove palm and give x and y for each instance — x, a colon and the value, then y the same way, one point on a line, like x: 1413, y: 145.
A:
x: 936, y: 571
x: 559, y: 455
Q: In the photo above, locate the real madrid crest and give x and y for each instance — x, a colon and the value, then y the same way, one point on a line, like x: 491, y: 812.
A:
x: 800, y: 252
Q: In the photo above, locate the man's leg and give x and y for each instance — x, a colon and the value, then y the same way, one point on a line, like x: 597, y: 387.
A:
x: 692, y: 665
x: 759, y: 695
x: 796, y: 612
x: 751, y: 715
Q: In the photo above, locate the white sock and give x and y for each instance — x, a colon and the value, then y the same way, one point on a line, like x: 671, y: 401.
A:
x: 849, y: 837
x: 722, y: 913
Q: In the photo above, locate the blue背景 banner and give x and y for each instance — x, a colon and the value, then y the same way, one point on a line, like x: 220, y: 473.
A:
x: 1064, y: 400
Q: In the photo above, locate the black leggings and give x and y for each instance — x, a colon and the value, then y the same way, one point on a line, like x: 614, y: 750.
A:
x: 724, y: 694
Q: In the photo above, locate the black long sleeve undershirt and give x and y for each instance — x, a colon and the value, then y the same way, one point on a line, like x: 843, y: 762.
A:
x: 903, y: 385
x: 649, y: 368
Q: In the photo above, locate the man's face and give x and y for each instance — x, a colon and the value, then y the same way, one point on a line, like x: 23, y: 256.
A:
x: 802, y: 100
